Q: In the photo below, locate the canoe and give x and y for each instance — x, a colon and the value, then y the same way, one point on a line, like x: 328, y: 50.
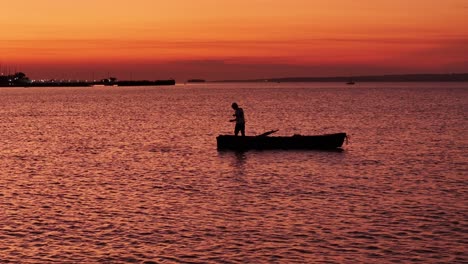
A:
x: 327, y: 141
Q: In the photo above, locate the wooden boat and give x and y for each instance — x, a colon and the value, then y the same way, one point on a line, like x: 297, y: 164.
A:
x: 263, y: 141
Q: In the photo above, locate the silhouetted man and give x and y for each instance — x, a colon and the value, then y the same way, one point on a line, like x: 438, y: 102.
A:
x: 240, y: 120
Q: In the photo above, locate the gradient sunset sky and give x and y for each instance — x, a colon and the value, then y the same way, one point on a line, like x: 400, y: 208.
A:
x: 223, y: 39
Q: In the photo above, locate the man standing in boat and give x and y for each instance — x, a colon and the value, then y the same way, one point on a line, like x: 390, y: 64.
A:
x: 240, y: 120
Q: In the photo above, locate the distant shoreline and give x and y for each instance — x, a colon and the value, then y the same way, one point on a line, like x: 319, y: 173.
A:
x: 20, y: 79
x: 455, y: 77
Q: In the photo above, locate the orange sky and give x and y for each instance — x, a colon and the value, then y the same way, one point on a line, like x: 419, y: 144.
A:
x: 217, y: 39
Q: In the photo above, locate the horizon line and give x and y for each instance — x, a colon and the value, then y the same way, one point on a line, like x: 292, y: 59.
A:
x: 463, y: 75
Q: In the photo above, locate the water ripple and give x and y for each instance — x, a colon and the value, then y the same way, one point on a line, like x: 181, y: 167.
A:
x: 132, y: 175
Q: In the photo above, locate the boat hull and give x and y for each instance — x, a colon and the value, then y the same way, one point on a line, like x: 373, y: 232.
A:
x: 328, y: 141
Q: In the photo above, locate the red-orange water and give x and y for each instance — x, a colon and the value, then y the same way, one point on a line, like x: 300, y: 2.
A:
x: 132, y: 174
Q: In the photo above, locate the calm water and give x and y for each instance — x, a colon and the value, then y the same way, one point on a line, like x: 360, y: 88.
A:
x: 132, y: 175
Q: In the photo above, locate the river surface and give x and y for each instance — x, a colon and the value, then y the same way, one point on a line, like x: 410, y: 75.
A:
x: 132, y: 175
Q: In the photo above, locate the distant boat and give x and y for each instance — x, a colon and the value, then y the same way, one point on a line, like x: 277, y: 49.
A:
x: 263, y: 141
x: 350, y: 83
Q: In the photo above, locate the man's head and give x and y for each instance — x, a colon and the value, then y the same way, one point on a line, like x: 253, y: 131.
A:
x: 234, y: 106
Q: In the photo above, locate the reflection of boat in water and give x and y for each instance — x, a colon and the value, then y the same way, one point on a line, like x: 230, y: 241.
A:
x: 327, y: 141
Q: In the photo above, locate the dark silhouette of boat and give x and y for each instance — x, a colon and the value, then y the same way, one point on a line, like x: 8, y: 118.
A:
x: 350, y: 83
x: 264, y: 142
